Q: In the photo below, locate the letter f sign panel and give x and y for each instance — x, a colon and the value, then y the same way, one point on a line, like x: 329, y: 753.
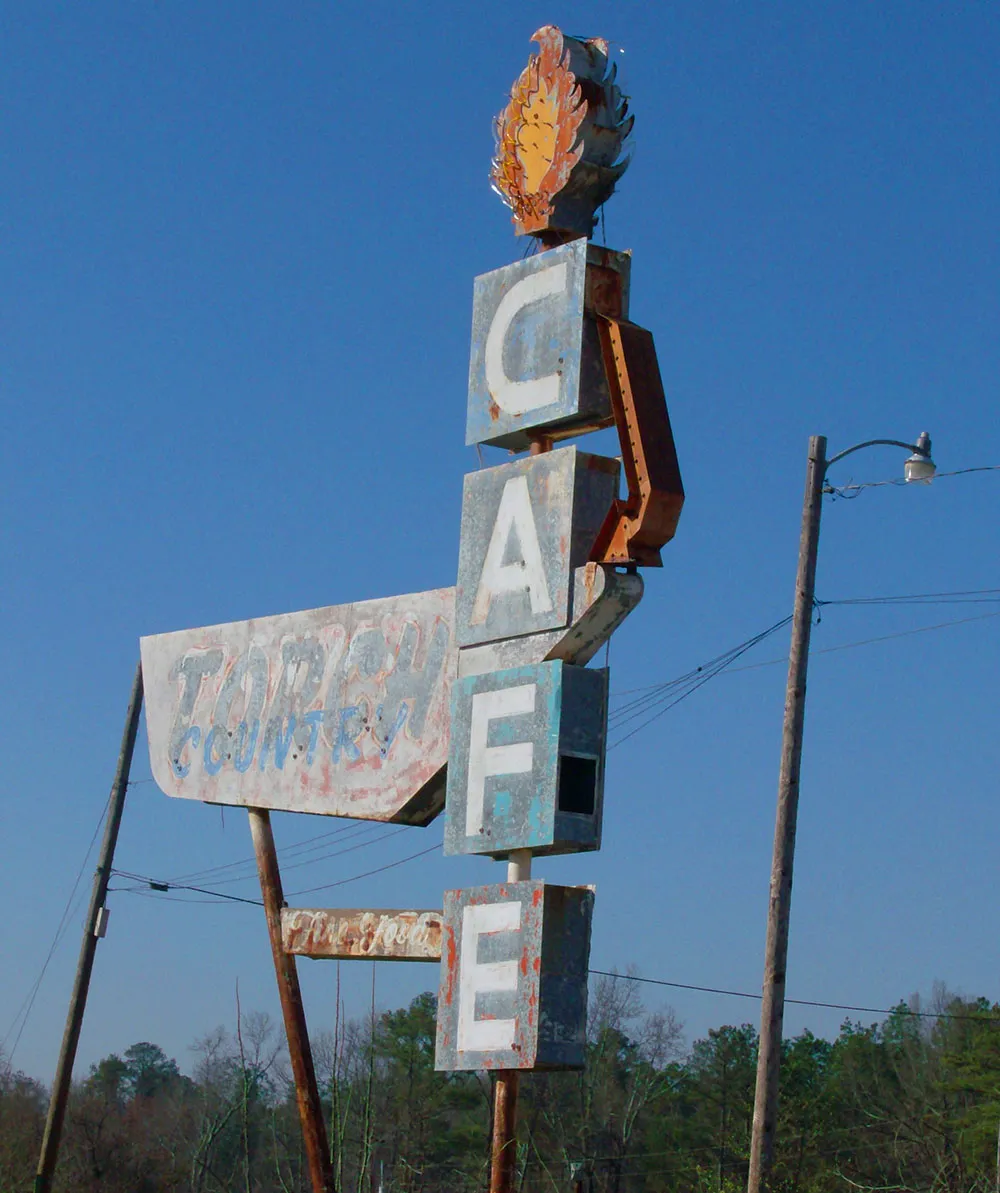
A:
x: 526, y: 760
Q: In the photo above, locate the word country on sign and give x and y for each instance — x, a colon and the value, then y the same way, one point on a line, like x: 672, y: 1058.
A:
x: 341, y: 710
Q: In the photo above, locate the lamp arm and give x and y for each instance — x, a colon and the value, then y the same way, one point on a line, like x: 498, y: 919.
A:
x: 910, y: 447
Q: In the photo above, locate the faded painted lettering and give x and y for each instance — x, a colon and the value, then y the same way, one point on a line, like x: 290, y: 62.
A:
x: 519, y: 396
x: 341, y: 710
x: 484, y: 978
x: 513, y: 561
x: 486, y: 760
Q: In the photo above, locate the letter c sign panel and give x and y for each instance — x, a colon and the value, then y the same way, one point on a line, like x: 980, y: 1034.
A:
x: 536, y: 359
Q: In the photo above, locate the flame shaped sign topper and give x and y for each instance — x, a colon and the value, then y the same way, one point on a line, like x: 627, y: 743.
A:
x: 560, y: 138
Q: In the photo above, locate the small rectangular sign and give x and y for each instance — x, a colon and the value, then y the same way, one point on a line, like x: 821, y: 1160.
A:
x: 513, y: 989
x: 536, y: 358
x: 526, y: 766
x: 526, y: 526
x: 366, y: 935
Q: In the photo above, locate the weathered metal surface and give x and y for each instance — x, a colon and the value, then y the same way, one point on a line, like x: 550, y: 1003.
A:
x: 341, y: 710
x: 311, y: 1116
x: 370, y: 935
x: 503, y: 1145
x: 513, y: 991
x: 641, y: 523
x: 526, y: 767
x: 560, y: 138
x: 536, y: 356
x: 602, y: 599
x: 526, y: 526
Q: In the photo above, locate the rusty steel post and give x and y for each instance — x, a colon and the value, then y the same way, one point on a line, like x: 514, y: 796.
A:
x: 88, y: 948
x: 306, y: 1090
x: 503, y: 1153
x: 765, y: 1105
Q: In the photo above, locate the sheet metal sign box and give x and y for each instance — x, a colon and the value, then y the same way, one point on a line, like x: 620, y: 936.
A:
x: 526, y: 526
x: 352, y: 934
x: 513, y: 991
x: 341, y: 710
x: 526, y: 765
x: 536, y: 357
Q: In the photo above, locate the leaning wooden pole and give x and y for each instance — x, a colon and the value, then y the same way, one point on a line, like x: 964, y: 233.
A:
x: 88, y: 948
x: 765, y: 1106
x: 306, y: 1090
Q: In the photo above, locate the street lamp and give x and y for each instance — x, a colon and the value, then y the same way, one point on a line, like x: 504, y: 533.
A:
x: 918, y: 467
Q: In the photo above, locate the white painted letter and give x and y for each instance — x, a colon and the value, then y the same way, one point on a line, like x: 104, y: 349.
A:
x: 484, y: 760
x: 483, y: 1035
x: 517, y: 397
x: 525, y: 574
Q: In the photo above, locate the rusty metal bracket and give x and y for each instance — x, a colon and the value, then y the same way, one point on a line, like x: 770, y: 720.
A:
x: 639, y: 524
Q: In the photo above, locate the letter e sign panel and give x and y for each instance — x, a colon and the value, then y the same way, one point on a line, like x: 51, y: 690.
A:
x: 526, y: 764
x: 525, y: 526
x: 514, y: 977
x: 536, y: 357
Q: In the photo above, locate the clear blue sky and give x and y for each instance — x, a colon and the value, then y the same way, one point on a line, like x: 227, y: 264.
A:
x: 237, y: 250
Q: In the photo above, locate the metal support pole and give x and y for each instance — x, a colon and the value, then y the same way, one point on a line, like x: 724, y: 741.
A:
x: 503, y: 1154
x: 503, y: 1151
x: 306, y: 1090
x: 88, y: 947
x: 765, y: 1107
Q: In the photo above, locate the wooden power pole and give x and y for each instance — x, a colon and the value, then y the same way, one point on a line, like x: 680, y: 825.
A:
x: 93, y: 930
x: 765, y: 1106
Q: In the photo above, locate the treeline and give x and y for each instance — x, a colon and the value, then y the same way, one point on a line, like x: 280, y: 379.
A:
x: 911, y: 1103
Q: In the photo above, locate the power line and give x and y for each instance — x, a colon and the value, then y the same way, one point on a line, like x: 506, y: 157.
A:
x: 296, y: 849
x: 364, y: 830
x: 177, y: 886
x: 973, y: 596
x: 161, y: 889
x: 940, y: 625
x: 686, y: 685
x: 29, y: 1001
x: 924, y: 629
x: 368, y: 873
x: 845, y: 490
x: 800, y: 1002
x: 157, y: 887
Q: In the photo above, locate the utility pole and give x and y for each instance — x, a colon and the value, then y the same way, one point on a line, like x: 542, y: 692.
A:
x: 94, y: 929
x: 765, y: 1110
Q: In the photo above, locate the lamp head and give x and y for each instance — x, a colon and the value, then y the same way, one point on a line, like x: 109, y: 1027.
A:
x: 920, y: 466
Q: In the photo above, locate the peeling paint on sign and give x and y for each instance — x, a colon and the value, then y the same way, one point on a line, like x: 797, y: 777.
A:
x: 536, y: 358
x: 341, y: 710
x: 526, y: 527
x: 526, y: 767
x: 374, y: 935
x: 513, y: 991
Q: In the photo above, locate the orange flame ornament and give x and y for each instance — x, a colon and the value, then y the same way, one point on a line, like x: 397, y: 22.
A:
x: 560, y: 138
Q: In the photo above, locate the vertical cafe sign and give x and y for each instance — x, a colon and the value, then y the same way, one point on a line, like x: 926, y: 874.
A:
x: 475, y: 700
x: 554, y: 355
